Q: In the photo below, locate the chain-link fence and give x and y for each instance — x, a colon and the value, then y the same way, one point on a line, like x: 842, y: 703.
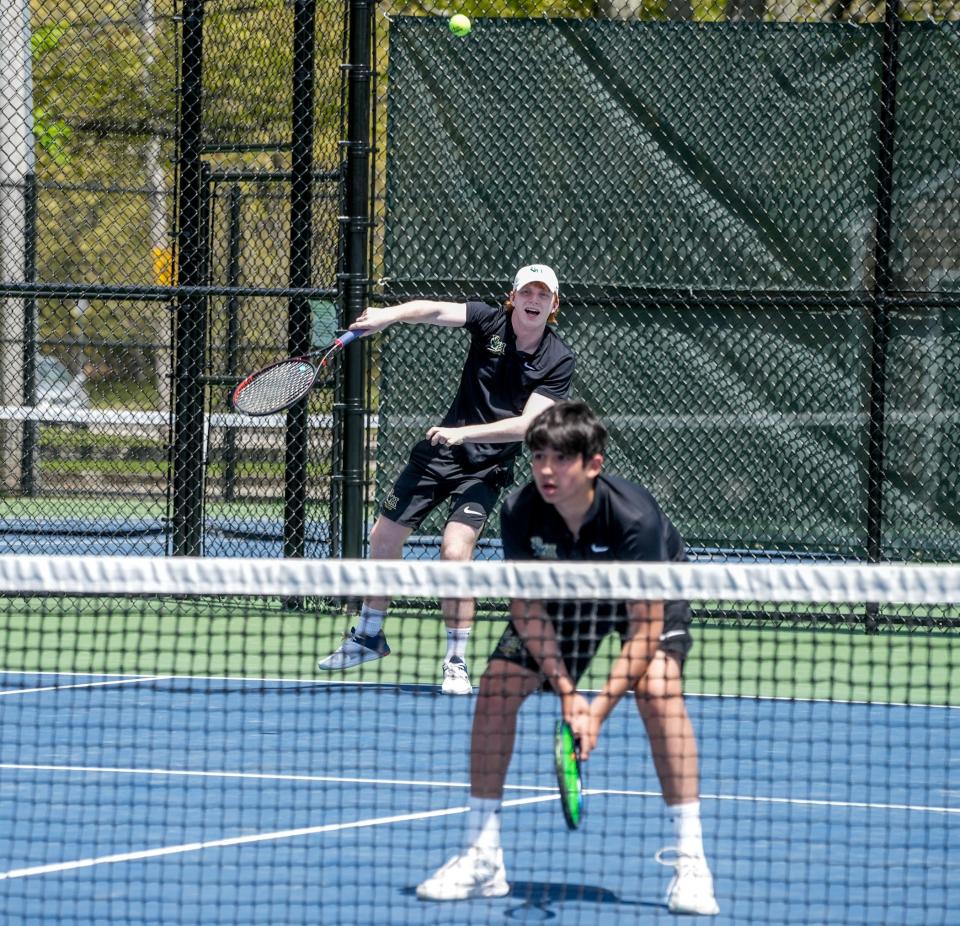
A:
x: 753, y: 209
x: 171, y: 180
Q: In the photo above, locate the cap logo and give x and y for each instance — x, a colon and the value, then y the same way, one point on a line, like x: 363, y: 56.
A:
x: 539, y: 273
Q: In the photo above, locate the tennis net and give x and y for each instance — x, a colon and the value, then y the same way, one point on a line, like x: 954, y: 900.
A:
x: 171, y: 752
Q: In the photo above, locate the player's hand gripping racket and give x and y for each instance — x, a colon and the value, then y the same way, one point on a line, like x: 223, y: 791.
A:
x: 286, y: 382
x: 567, y: 757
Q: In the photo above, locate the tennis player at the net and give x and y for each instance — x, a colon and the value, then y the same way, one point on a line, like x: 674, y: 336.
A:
x: 571, y: 511
x: 516, y: 367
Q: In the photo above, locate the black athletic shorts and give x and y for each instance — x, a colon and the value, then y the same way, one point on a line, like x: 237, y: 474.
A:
x: 435, y: 474
x: 582, y: 626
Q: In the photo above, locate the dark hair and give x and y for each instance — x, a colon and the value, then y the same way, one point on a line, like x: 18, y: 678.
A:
x: 568, y: 427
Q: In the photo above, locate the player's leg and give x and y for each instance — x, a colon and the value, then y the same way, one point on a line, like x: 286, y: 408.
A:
x: 478, y: 870
x: 386, y: 542
x: 660, y: 701
x: 504, y: 687
x: 415, y: 493
x: 457, y: 545
x: 470, y: 508
x: 367, y: 641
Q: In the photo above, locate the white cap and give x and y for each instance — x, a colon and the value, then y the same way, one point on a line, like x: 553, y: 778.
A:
x: 536, y: 273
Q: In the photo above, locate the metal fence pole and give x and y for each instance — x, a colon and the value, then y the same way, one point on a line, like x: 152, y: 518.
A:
x: 879, y: 335
x: 301, y: 259
x: 233, y: 337
x: 190, y: 310
x: 354, y: 279
x: 28, y: 460
x: 879, y: 317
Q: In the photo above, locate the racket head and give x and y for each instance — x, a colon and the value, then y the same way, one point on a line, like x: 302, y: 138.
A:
x: 569, y: 777
x: 275, y: 387
x: 281, y: 385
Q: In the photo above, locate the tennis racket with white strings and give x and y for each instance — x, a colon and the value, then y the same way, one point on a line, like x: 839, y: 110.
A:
x: 282, y: 384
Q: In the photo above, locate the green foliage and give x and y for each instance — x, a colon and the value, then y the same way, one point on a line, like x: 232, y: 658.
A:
x: 46, y: 38
x: 52, y: 133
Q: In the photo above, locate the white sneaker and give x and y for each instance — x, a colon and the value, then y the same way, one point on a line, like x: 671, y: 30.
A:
x: 476, y: 873
x: 456, y: 679
x: 355, y: 649
x: 691, y: 890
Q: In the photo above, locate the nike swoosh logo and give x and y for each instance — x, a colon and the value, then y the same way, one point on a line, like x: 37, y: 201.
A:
x: 596, y: 549
x: 474, y: 511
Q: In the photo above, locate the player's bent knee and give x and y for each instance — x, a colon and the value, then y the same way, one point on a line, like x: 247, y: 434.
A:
x: 456, y: 552
x: 658, y: 696
x: 387, y: 539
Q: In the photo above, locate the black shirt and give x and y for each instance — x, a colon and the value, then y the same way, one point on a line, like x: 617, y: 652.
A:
x: 624, y: 523
x: 497, y: 379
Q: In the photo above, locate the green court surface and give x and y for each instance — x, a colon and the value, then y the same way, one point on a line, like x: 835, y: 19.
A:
x: 270, y: 639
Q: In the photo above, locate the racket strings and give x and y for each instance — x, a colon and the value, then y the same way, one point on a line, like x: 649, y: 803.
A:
x: 276, y: 387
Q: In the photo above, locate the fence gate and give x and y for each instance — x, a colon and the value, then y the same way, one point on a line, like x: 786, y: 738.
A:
x: 171, y: 174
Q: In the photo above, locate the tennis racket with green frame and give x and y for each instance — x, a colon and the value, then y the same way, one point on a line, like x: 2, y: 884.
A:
x: 569, y: 776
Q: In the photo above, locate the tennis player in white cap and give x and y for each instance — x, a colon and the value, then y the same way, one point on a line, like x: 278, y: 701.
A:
x: 516, y: 367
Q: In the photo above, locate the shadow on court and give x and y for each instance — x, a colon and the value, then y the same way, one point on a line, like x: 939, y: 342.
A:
x: 537, y: 898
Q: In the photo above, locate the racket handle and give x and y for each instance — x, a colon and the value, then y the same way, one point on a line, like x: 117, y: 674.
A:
x: 347, y: 337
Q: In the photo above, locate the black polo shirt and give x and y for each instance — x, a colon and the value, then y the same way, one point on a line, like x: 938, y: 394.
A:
x: 624, y: 523
x: 497, y: 379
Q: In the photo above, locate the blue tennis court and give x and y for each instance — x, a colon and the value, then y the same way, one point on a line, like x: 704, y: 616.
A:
x: 149, y: 799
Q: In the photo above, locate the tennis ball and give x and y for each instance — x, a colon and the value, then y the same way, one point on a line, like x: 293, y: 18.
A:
x: 460, y: 25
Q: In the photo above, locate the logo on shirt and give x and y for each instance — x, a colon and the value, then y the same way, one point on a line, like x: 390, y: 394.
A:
x: 497, y: 346
x: 597, y: 548
x: 543, y: 550
x: 391, y: 502
x: 510, y: 644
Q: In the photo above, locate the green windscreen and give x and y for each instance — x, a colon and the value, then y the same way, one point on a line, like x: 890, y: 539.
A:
x: 708, y: 195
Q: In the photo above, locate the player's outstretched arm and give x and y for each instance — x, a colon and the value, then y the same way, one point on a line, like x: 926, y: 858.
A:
x: 418, y: 312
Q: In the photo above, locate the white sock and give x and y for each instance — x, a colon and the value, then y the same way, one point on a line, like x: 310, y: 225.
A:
x: 687, y: 828
x: 371, y: 620
x: 483, y: 823
x: 457, y: 643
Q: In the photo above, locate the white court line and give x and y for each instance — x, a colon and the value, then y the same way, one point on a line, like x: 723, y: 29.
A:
x: 253, y: 776
x: 117, y: 681
x: 413, y: 782
x: 246, y: 840
x: 69, y: 673
x: 733, y: 697
x: 795, y: 801
x: 344, y: 683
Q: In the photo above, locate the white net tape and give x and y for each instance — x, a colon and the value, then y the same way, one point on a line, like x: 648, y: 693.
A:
x: 767, y: 582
